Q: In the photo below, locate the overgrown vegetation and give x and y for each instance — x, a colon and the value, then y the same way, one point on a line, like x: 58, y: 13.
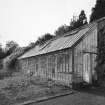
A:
x: 23, y: 88
x: 10, y: 48
x: 98, y: 11
x: 75, y: 23
x: 100, y: 68
x: 44, y: 38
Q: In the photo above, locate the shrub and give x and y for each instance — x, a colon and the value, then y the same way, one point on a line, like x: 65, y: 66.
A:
x: 21, y: 88
x: 16, y: 85
x: 4, y: 99
x: 18, y: 82
x: 4, y: 74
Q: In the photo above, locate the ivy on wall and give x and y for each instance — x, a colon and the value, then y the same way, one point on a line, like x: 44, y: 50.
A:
x: 100, y: 68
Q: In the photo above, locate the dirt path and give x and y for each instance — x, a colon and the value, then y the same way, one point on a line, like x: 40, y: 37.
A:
x: 78, y: 98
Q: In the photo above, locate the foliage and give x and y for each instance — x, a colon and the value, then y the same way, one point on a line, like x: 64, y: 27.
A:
x: 4, y: 74
x: 19, y: 89
x: 9, y: 55
x: 40, y: 41
x: 44, y: 38
x: 98, y: 11
x: 10, y: 61
x: 2, y: 55
x: 75, y: 23
x: 10, y: 47
x: 82, y: 18
x: 100, y: 68
x: 31, y: 45
x: 18, y: 83
x: 4, y: 99
x: 62, y: 30
x: 15, y: 86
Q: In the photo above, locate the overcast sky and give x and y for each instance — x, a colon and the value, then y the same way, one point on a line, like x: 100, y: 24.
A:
x: 25, y: 20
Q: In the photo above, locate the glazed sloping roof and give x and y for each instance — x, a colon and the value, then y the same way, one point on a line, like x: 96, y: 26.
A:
x: 66, y: 41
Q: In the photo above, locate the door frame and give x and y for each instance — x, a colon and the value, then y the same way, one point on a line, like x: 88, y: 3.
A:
x: 87, y: 68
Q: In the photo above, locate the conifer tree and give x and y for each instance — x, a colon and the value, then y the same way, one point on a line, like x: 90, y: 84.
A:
x: 98, y: 11
x: 82, y: 20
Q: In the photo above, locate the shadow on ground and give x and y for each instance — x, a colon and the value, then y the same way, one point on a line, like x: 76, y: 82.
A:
x: 100, y: 91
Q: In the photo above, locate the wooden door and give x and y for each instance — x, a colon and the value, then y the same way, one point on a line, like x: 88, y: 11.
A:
x: 87, y: 77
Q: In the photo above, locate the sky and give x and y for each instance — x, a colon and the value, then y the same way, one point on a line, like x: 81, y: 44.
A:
x: 25, y: 20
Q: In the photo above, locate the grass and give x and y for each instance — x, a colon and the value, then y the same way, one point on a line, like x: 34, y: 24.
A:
x: 19, y: 89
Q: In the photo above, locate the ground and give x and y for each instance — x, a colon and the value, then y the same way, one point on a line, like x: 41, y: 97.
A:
x: 79, y: 97
x: 18, y: 90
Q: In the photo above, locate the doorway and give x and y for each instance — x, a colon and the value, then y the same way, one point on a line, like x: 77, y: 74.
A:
x: 87, y: 68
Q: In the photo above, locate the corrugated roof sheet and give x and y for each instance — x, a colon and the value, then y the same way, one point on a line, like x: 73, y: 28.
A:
x: 60, y: 43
